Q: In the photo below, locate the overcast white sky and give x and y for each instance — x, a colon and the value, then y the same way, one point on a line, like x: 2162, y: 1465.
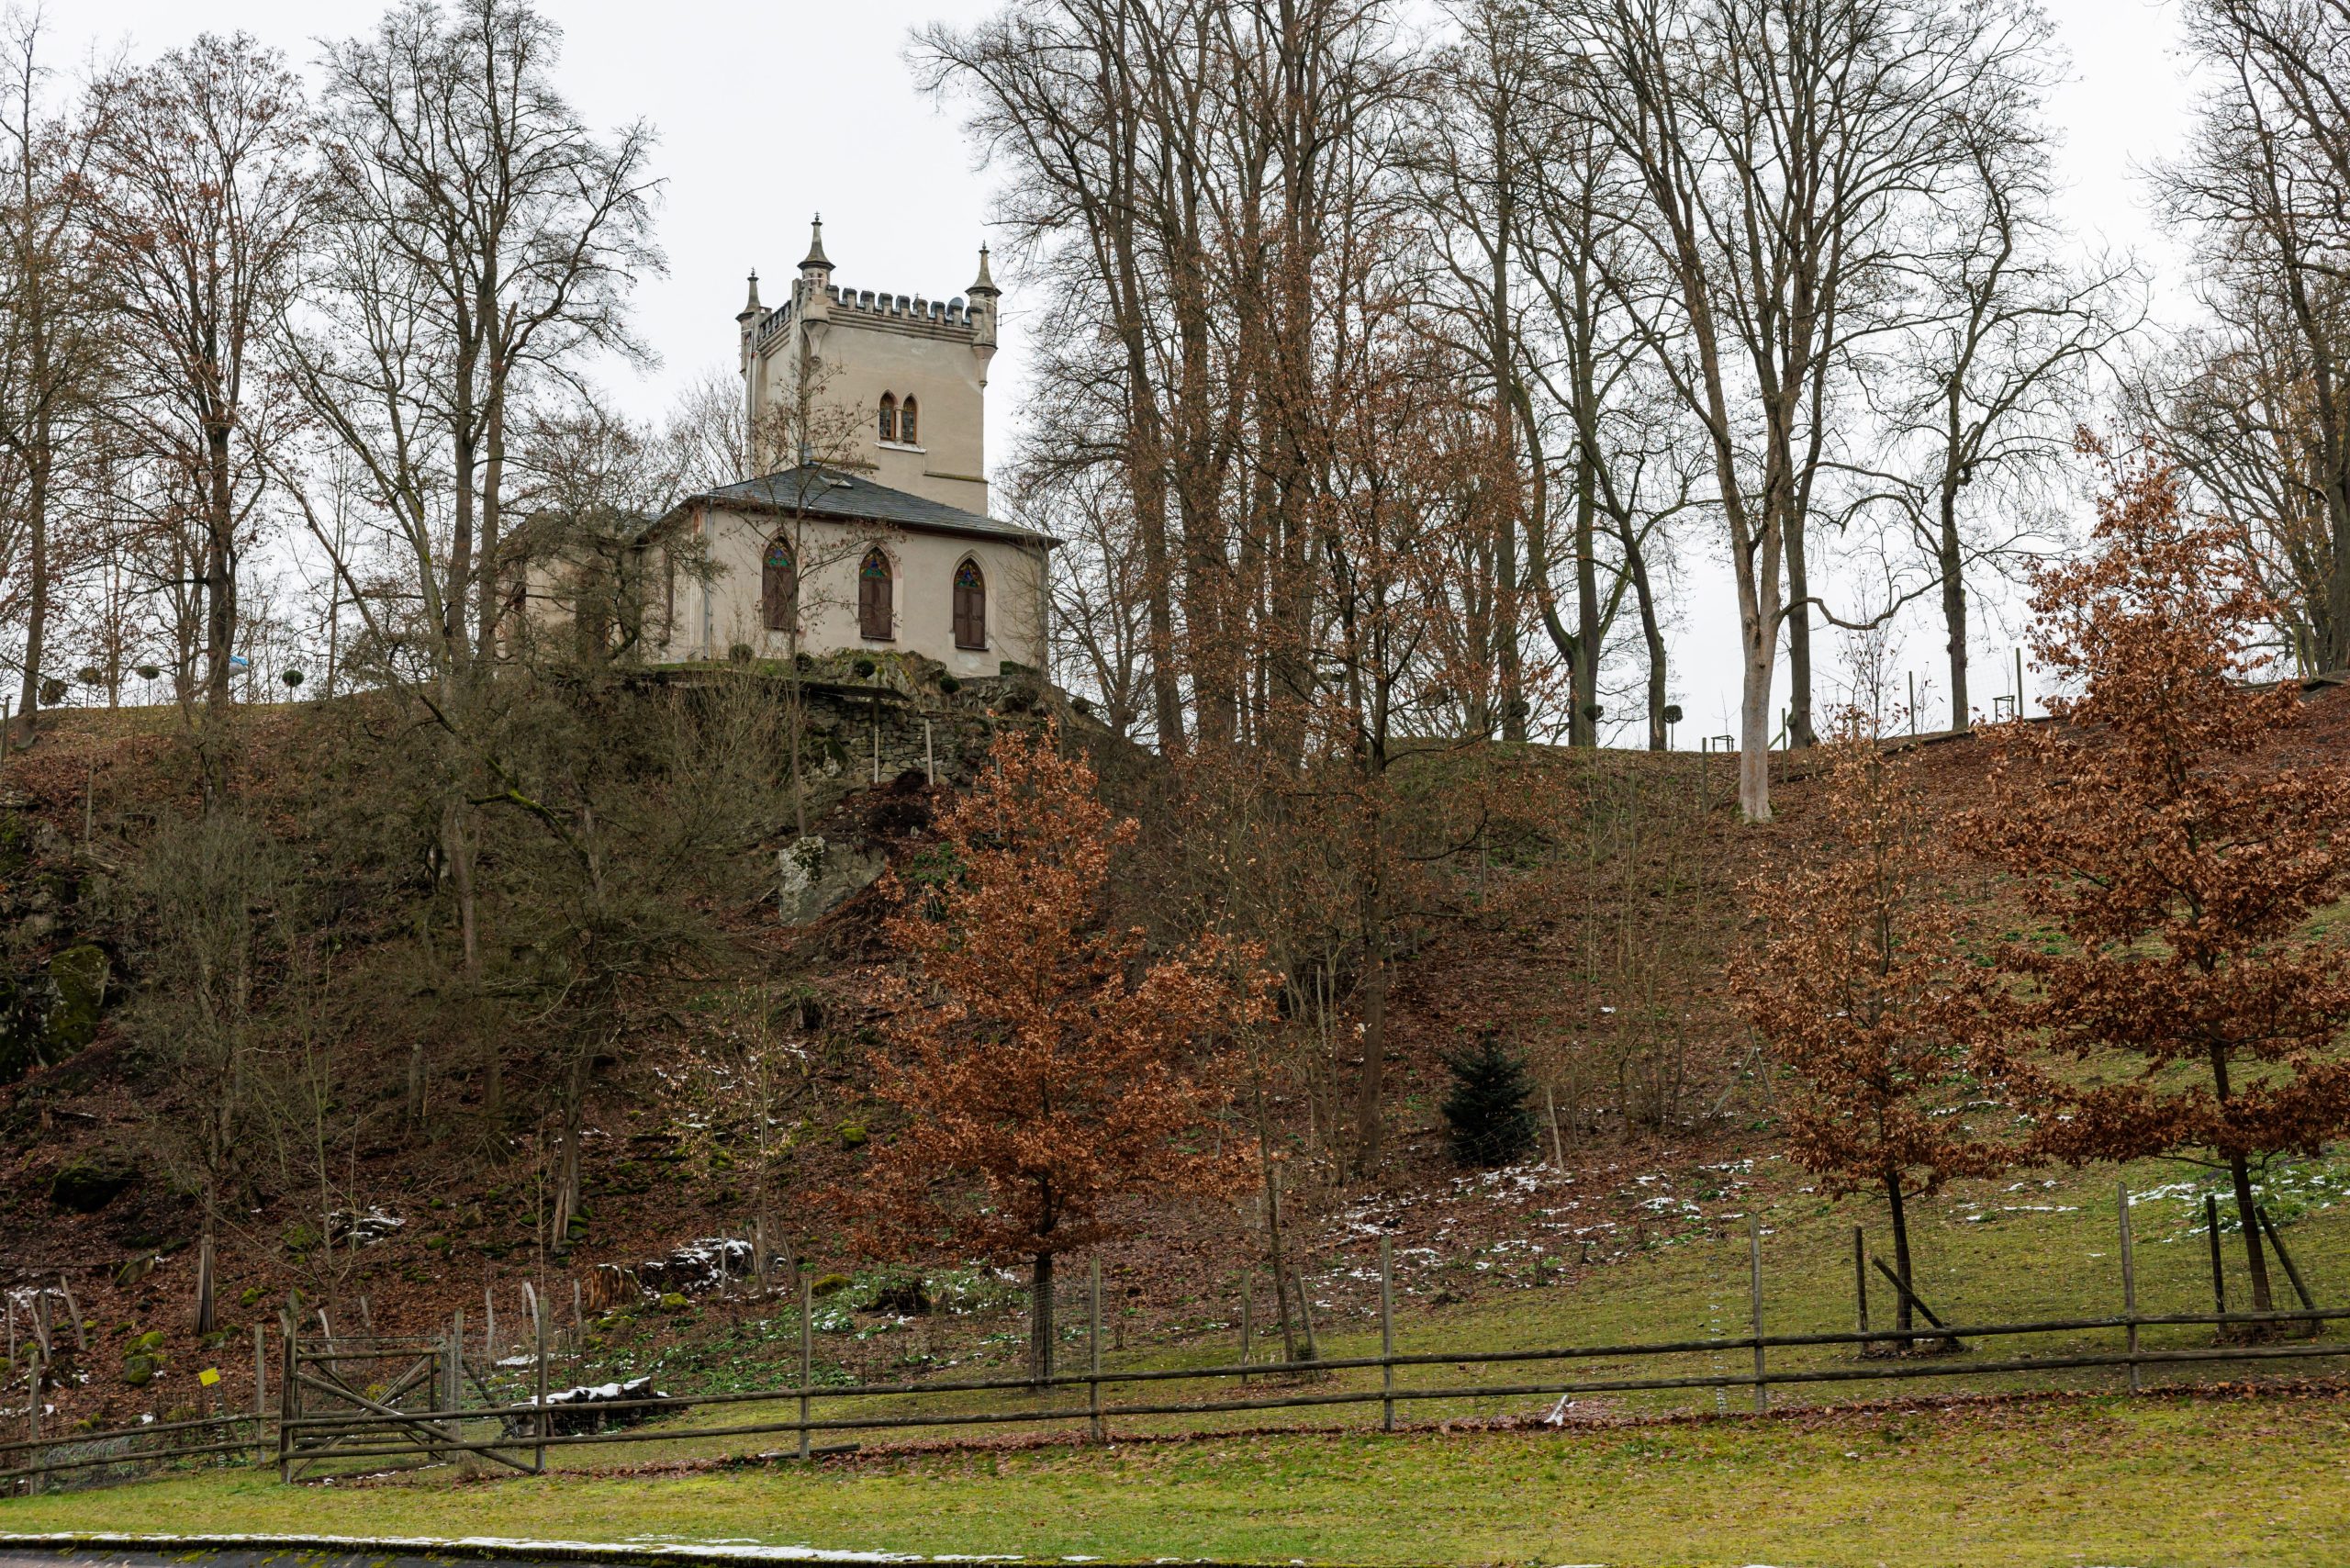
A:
x: 769, y: 112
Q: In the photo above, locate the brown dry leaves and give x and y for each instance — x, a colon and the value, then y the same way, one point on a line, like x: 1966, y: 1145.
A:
x: 1048, y: 1061
x: 2180, y: 879
x: 1854, y: 989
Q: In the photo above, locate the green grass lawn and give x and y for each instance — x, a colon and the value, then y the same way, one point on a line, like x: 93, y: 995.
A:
x: 2093, y: 1478
x: 2166, y: 1480
x: 2035, y: 1246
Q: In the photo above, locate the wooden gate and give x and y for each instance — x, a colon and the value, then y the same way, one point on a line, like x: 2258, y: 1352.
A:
x: 373, y: 1393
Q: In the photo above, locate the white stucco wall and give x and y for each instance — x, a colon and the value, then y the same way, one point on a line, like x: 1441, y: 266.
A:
x: 856, y: 351
x: 830, y: 552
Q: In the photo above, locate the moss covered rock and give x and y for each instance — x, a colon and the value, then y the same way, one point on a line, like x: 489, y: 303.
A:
x: 77, y: 982
x: 88, y: 1185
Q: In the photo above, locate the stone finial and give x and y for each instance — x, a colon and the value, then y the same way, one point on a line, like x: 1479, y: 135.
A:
x: 815, y: 260
x: 984, y: 284
x: 751, y: 306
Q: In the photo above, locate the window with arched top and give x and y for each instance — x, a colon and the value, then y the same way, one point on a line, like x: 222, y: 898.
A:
x: 970, y: 606
x: 906, y: 421
x: 778, y: 587
x: 889, y: 418
x: 874, y: 609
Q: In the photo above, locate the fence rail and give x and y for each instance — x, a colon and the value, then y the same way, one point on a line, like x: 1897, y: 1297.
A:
x: 1093, y: 1410
x: 436, y: 1422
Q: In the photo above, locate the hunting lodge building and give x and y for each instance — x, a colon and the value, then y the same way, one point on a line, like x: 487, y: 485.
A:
x: 867, y: 528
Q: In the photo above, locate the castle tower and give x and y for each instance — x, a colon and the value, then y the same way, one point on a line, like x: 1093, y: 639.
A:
x: 890, y: 387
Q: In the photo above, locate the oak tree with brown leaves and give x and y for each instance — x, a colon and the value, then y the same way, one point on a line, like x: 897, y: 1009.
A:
x: 1853, y: 994
x: 1041, y: 1056
x: 2149, y: 830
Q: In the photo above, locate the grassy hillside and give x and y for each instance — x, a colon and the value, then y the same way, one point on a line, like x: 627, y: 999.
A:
x: 1588, y: 920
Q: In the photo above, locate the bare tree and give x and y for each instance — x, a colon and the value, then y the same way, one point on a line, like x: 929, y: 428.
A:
x: 512, y: 237
x: 1996, y: 369
x: 55, y: 353
x: 2267, y: 184
x: 476, y: 234
x: 202, y: 206
x: 2231, y: 403
x: 1777, y: 147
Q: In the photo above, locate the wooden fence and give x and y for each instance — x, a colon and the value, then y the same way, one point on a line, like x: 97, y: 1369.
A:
x: 323, y: 1415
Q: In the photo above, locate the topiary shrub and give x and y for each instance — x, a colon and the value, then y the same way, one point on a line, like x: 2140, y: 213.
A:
x: 1488, y: 1117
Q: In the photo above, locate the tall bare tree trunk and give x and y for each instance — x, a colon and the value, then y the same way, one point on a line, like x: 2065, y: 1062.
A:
x: 219, y: 571
x: 1952, y: 564
x: 37, y: 573
x: 1798, y: 621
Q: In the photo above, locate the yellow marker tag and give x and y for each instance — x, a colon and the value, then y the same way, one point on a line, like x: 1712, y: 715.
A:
x: 208, y: 1376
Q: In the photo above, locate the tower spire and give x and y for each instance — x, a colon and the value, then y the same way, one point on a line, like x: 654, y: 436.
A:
x: 983, y: 284
x: 816, y: 258
x: 750, y: 305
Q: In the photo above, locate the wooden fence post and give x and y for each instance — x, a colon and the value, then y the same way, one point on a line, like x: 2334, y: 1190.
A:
x: 2276, y: 1245
x: 82, y: 1335
x: 1247, y: 1315
x: 1754, y: 1288
x: 261, y: 1371
x: 1094, y: 1341
x: 289, y: 1403
x: 2219, y: 1275
x: 35, y: 1454
x: 1387, y: 1333
x: 807, y: 1353
x: 1304, y: 1313
x: 540, y: 1422
x: 2129, y: 1284
x: 453, y: 1370
x: 204, y: 1284
x: 1860, y: 1282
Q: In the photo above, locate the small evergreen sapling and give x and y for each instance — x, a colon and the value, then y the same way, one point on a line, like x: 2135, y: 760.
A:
x: 1488, y: 1116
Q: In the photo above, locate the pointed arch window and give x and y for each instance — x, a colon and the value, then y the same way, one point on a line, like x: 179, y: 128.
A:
x: 906, y: 425
x: 970, y: 606
x: 888, y: 417
x: 875, y: 610
x: 779, y: 586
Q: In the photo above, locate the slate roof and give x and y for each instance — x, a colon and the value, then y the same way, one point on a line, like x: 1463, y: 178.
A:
x: 813, y: 490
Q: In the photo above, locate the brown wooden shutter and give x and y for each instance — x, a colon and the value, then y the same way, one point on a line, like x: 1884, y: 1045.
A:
x: 970, y: 607
x: 777, y: 588
x: 873, y: 615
